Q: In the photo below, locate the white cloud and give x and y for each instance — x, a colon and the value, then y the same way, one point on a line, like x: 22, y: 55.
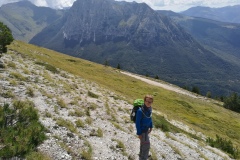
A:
x: 180, y: 5
x: 46, y: 3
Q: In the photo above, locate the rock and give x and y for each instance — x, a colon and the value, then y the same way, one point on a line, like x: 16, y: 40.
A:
x: 2, y: 65
x: 71, y: 135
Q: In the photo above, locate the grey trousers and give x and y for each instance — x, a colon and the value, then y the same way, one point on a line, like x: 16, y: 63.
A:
x: 144, y: 147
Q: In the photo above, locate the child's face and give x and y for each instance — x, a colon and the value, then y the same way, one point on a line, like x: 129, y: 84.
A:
x: 148, y: 102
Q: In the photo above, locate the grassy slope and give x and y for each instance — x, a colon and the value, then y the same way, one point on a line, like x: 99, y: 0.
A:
x: 206, y: 116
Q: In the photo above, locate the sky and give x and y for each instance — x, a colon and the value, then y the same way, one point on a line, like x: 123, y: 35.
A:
x: 174, y: 5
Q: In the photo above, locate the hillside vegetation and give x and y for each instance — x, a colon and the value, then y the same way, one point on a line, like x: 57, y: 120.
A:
x: 205, y: 117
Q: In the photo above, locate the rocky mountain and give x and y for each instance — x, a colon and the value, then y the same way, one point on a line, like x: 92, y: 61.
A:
x: 140, y: 40
x: 221, y: 38
x: 225, y: 14
x: 26, y: 20
x: 97, y: 126
x: 109, y: 21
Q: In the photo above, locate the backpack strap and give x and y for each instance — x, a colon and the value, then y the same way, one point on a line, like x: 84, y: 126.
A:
x: 142, y: 109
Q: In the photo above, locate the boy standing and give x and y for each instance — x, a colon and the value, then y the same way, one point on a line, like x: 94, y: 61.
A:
x: 144, y: 126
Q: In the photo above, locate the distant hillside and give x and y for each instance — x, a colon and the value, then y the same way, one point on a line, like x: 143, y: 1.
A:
x: 140, y: 40
x: 26, y: 20
x: 226, y: 14
x: 221, y: 38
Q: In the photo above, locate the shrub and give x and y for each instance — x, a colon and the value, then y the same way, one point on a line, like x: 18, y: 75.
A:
x: 232, y: 102
x: 11, y: 64
x: 87, y: 154
x: 161, y: 122
x: 48, y: 67
x: 61, y: 103
x: 30, y: 92
x: 37, y: 156
x: 98, y: 132
x: 120, y: 146
x: 24, y: 134
x: 66, y: 123
x: 18, y: 76
x: 6, y: 37
x: 76, y: 113
x: 196, y: 90
x: 225, y: 145
x: 88, y: 120
x: 8, y: 94
x: 13, y: 82
x: 93, y: 106
x: 79, y: 123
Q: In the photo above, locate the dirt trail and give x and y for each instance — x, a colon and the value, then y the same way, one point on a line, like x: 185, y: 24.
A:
x: 163, y: 85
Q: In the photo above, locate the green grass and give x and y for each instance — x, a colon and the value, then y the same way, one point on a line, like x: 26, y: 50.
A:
x: 79, y: 123
x: 93, y: 95
x: 37, y: 156
x: 208, y: 117
x: 48, y: 67
x: 66, y: 123
x: 87, y: 153
x: 18, y: 76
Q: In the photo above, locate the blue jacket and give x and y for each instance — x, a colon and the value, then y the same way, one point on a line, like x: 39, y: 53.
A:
x: 143, y: 123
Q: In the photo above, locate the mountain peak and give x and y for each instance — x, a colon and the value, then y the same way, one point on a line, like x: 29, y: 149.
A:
x: 108, y: 20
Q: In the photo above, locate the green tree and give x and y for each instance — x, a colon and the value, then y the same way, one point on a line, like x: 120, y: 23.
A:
x: 5, y: 37
x: 21, y: 132
x: 196, y: 90
x: 232, y: 102
x: 118, y: 66
x: 209, y: 94
x: 106, y: 63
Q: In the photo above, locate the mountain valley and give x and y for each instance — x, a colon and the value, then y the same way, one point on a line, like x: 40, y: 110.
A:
x: 188, y: 53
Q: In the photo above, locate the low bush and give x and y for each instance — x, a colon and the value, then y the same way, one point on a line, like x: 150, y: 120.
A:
x: 48, y: 67
x: 21, y: 132
x: 225, y: 145
x: 232, y: 102
x: 66, y: 123
x: 160, y: 122
x: 18, y: 76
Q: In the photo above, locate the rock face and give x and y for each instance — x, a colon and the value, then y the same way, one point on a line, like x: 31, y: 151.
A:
x: 108, y: 20
x: 98, y: 22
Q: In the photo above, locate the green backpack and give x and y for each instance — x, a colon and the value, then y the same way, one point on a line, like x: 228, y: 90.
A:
x: 136, y: 104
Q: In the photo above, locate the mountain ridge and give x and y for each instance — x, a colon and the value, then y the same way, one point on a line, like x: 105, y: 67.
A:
x: 224, y: 14
x: 140, y: 40
x: 26, y: 20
